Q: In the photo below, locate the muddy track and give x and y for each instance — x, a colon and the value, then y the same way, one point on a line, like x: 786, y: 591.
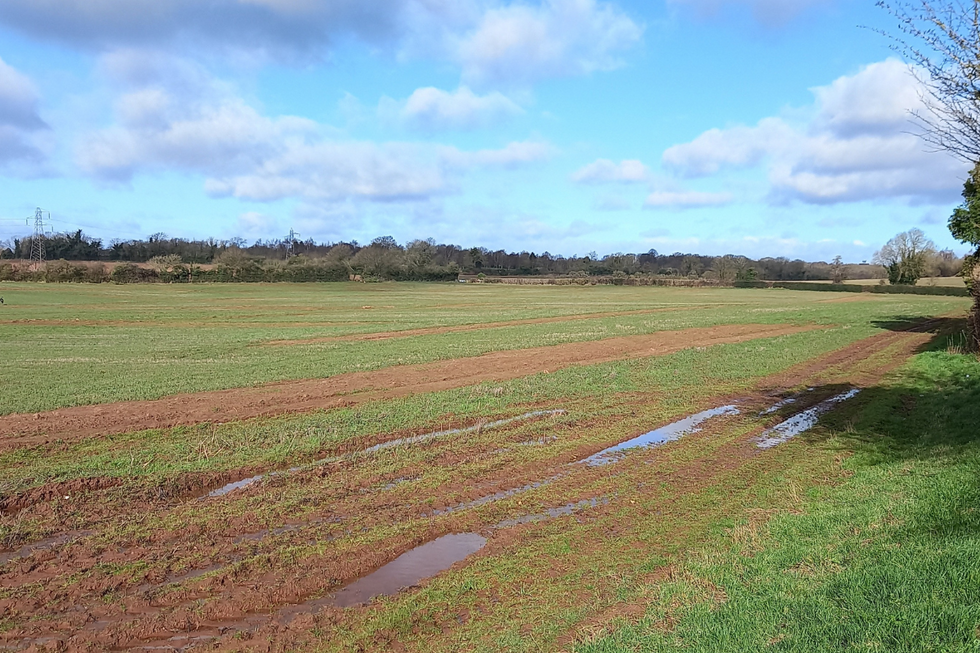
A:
x: 21, y: 430
x: 247, y: 599
x: 251, y: 581
x: 427, y: 331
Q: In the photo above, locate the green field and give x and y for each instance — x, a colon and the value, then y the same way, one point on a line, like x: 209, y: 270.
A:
x: 859, y: 534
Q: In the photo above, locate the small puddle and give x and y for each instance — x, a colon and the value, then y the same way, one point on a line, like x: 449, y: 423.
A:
x: 800, y: 422
x: 42, y: 545
x: 415, y: 439
x: 552, y: 513
x: 496, y: 496
x: 230, y: 487
x: 778, y: 405
x: 406, y: 570
x: 660, y: 436
x: 410, y: 568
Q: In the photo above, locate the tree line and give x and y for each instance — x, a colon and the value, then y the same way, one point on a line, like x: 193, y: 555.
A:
x: 425, y: 260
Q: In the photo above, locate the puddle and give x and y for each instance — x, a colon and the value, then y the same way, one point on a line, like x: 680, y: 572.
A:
x: 42, y: 545
x: 404, y: 571
x: 410, y: 568
x: 415, y: 439
x: 775, y: 407
x: 800, y: 422
x: 660, y: 436
x: 496, y: 496
x: 230, y: 487
x: 552, y: 513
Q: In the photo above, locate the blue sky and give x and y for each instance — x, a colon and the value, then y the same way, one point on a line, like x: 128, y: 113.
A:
x: 756, y: 127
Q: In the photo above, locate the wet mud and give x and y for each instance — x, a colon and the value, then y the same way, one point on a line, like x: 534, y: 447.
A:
x: 277, y: 575
x: 21, y: 430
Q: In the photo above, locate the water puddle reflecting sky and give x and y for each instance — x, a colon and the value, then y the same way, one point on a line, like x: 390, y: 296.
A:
x: 415, y: 439
x: 800, y: 422
x: 658, y: 437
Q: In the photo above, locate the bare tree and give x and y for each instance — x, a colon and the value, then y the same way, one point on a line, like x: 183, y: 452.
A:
x: 838, y: 271
x: 906, y: 256
x: 942, y: 39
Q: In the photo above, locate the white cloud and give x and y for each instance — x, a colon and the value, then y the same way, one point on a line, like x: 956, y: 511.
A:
x: 521, y: 44
x: 431, y: 109
x: 685, y: 199
x: 856, y: 146
x: 509, y: 156
x: 285, y: 26
x: 20, y: 123
x: 493, y: 41
x: 171, y: 116
x: 18, y: 99
x: 771, y: 13
x: 605, y: 171
x: 255, y: 224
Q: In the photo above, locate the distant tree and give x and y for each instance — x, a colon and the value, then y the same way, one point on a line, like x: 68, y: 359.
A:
x: 420, y: 253
x: 385, y: 242
x: 838, y: 272
x: 726, y: 267
x: 905, y: 257
x: 167, y: 262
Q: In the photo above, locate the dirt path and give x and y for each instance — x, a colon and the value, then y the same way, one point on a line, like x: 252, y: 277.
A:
x: 21, y: 430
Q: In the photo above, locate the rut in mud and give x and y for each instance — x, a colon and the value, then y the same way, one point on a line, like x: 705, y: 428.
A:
x: 275, y: 559
x: 22, y: 430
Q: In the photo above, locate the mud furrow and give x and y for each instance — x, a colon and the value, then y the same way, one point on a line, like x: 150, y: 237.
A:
x: 22, y: 430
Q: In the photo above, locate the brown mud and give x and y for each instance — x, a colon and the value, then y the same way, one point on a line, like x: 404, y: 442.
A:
x: 23, y: 430
x: 239, y: 571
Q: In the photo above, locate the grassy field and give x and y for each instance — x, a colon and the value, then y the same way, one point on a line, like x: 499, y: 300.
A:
x: 859, y: 534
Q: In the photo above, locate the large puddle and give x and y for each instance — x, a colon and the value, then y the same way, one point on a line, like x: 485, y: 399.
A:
x: 406, y: 570
x: 415, y: 439
x: 801, y: 422
x: 660, y: 436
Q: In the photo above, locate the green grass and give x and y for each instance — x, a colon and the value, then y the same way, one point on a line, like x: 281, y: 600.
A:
x: 144, y: 342
x: 679, y: 379
x: 889, y: 560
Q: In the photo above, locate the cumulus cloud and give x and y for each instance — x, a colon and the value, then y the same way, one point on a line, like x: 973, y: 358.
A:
x: 520, y: 44
x: 431, y: 109
x: 685, y: 199
x: 19, y: 121
x: 772, y: 13
x: 493, y: 41
x: 856, y: 146
x: 273, y: 25
x: 170, y: 115
x: 509, y: 156
x: 603, y: 171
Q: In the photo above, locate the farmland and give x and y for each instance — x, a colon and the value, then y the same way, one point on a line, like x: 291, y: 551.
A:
x: 226, y: 467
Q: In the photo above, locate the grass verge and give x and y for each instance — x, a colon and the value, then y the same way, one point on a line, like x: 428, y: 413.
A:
x: 888, y: 560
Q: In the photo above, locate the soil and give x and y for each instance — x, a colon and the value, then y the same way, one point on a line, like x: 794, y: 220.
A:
x: 20, y: 430
x: 239, y: 571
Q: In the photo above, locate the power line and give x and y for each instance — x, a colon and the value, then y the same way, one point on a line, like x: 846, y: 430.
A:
x: 37, y: 242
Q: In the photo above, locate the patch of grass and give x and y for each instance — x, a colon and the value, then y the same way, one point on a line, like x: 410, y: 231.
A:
x: 889, y: 560
x: 672, y: 384
x: 94, y: 344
